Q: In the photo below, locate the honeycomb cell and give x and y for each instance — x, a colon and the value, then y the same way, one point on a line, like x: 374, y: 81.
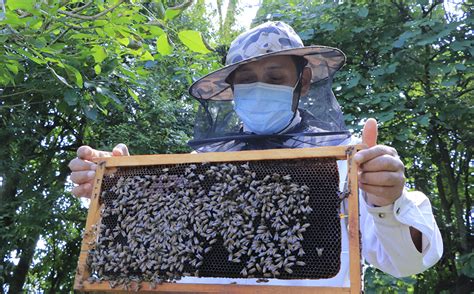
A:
x: 261, y: 219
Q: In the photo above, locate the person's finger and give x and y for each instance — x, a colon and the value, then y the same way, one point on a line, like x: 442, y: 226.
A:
x: 383, y: 179
x: 120, y: 150
x: 384, y: 195
x: 383, y: 163
x: 84, y: 190
x: 373, y: 152
x: 88, y: 153
x: 81, y: 177
x: 79, y: 165
x: 370, y: 132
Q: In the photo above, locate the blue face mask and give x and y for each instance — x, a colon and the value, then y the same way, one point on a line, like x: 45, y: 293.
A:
x: 264, y: 108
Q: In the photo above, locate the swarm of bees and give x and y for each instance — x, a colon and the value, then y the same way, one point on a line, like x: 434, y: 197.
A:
x: 160, y: 227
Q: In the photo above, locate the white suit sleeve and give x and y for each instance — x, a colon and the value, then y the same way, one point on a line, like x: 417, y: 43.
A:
x: 386, y: 239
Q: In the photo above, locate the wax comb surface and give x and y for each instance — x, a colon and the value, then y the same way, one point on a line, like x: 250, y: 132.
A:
x: 263, y: 219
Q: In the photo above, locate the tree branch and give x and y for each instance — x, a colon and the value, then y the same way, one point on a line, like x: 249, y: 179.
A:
x: 436, y: 3
x: 79, y: 9
x: 90, y: 17
x: 23, y: 92
x: 59, y: 36
x: 464, y: 92
x: 403, y: 11
x: 182, y: 6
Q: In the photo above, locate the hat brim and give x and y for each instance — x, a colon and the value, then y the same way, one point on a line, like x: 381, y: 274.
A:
x: 323, y: 61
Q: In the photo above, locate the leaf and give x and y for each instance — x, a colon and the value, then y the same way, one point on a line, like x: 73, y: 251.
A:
x: 30, y: 56
x: 358, y: 29
x: 363, y: 12
x: 353, y: 81
x: 146, y: 56
x: 83, y: 36
x: 99, y: 54
x: 426, y: 41
x: 106, y: 92
x: 124, y: 41
x: 110, y: 31
x: 403, y: 37
x: 460, y: 66
x: 163, y: 46
x: 423, y: 120
x: 58, y: 77
x: 449, y: 82
x: 90, y: 112
x: 194, y: 41
x: 77, y: 75
x: 89, y: 85
x: 392, y: 68
x: 36, y: 25
x: 134, y: 95
x: 386, y: 116
x: 306, y: 34
x: 156, y: 31
x: 21, y: 4
x: 12, y: 67
x: 100, y: 32
x: 172, y: 13
x: 328, y: 27
x: 97, y: 69
x: 71, y: 97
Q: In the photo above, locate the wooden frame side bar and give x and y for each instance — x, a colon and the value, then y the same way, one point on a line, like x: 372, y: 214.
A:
x: 90, y: 232
x: 354, y: 240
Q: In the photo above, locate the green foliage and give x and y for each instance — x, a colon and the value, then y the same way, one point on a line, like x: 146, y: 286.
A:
x: 375, y: 280
x: 194, y: 41
x: 466, y: 264
x: 77, y: 73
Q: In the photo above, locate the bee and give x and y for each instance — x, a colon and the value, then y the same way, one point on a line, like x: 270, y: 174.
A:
x: 319, y: 251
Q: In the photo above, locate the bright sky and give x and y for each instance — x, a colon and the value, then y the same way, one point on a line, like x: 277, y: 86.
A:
x: 249, y: 10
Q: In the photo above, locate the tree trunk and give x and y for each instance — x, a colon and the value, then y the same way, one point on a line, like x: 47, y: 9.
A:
x: 21, y: 270
x: 444, y: 165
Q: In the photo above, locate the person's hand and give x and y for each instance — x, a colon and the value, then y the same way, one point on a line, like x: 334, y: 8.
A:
x: 381, y: 172
x: 83, y: 169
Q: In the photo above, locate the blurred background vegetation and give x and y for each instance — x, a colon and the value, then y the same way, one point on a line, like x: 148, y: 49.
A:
x: 101, y: 72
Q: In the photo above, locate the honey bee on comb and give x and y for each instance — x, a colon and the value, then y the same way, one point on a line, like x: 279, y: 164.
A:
x: 240, y: 219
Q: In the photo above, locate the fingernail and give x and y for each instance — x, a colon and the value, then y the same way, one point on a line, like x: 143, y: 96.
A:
x: 91, y: 174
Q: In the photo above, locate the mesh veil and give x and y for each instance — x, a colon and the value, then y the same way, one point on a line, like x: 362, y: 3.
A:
x: 218, y: 128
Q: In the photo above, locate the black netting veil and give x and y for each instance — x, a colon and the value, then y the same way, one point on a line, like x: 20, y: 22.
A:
x: 218, y: 128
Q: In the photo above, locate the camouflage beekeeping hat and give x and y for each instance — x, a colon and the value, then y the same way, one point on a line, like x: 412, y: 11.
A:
x: 268, y: 39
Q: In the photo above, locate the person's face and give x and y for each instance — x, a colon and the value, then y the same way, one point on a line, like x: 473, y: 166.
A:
x: 280, y: 70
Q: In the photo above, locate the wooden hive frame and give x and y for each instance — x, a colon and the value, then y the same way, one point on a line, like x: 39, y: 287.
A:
x: 110, y: 163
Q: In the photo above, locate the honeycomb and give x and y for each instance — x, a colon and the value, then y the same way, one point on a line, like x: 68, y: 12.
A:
x: 258, y: 219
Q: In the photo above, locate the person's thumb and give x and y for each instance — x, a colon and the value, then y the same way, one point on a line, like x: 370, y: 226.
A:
x: 120, y: 150
x: 370, y: 132
x: 87, y: 153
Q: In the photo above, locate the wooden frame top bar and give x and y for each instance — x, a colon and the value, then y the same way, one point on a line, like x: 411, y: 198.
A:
x: 339, y: 152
